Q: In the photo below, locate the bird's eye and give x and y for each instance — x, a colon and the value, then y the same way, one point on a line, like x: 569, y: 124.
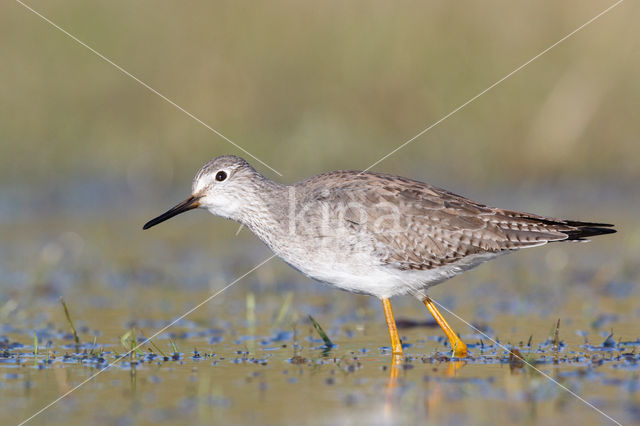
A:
x: 220, y: 176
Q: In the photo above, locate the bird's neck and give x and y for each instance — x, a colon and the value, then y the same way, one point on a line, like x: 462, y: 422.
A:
x: 265, y: 212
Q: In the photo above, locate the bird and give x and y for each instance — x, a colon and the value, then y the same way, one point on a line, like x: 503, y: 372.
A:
x: 372, y: 233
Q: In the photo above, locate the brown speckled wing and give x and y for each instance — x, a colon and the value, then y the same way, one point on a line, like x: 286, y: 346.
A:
x: 416, y: 226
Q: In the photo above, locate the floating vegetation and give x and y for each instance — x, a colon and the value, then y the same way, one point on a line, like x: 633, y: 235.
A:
x: 356, y: 373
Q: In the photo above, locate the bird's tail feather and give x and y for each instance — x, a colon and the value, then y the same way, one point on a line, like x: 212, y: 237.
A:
x: 585, y: 230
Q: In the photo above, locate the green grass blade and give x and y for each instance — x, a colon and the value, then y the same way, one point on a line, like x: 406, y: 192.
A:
x: 327, y: 342
x: 284, y: 309
x: 173, y: 346
x: 35, y: 349
x: 73, y: 329
x: 152, y: 344
x: 124, y: 339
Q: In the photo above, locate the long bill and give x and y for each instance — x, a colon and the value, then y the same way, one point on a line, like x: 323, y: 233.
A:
x: 188, y: 204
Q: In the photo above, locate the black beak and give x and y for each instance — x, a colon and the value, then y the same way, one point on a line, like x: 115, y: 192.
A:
x: 188, y: 204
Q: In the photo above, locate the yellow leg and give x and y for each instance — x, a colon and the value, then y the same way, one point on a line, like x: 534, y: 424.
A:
x: 396, y: 344
x: 458, y: 346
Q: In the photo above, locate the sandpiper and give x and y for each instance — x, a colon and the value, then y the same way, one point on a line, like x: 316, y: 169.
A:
x: 372, y: 233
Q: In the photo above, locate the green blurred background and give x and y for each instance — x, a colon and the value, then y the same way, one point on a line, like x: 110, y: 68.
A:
x: 87, y: 155
x: 313, y: 86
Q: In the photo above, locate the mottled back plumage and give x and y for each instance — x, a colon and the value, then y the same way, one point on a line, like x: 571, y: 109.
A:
x: 438, y: 227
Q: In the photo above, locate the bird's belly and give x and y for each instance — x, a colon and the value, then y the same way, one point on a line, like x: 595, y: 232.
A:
x: 352, y: 264
x: 360, y: 273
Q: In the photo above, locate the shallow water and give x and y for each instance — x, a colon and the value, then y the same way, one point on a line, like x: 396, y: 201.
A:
x: 251, y: 354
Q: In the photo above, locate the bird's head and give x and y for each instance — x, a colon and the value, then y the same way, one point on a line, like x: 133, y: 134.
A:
x: 220, y: 186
